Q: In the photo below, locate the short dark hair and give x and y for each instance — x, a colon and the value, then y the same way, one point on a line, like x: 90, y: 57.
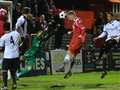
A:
x: 26, y: 10
x: 18, y: 4
x: 109, y: 13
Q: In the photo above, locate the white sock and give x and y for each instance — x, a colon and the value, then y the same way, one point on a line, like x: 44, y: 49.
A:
x: 9, y: 75
x: 67, y: 63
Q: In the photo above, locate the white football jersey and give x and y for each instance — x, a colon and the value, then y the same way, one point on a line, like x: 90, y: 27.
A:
x: 10, y: 42
x: 21, y: 25
x: 112, y: 29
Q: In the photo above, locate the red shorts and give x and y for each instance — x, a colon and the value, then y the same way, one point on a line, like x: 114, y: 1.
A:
x: 76, y: 44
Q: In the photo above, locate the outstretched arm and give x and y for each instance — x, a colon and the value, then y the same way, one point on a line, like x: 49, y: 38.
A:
x: 102, y: 35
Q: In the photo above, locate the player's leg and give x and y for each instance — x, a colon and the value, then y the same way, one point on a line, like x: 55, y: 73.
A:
x: 72, y: 52
x: 69, y: 73
x: 13, y: 70
x: 67, y: 63
x: 105, y: 52
x: 72, y: 63
x: 74, y: 56
x: 5, y: 87
x: 108, y: 46
x: 76, y: 51
x: 104, y: 73
x: 5, y: 66
x: 13, y: 75
x: 102, y: 51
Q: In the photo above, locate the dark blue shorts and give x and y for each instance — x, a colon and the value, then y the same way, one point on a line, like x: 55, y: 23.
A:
x: 11, y: 64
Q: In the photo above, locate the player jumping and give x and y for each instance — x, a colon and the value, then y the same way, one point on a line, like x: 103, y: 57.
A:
x: 112, y: 31
x: 78, y: 40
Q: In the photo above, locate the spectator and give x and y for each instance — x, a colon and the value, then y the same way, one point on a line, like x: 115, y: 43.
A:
x: 42, y: 7
x: 17, y: 13
x: 30, y: 24
x: 100, y: 22
x: 31, y: 5
x: 43, y: 23
x: 59, y: 33
x: 22, y: 25
x: 38, y: 7
x: 3, y: 17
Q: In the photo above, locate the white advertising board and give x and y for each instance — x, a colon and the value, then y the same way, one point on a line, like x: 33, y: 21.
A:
x: 57, y: 57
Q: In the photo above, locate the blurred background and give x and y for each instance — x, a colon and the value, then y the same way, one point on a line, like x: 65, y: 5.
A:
x: 48, y: 15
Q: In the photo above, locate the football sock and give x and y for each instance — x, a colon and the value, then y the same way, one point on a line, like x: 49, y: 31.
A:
x: 13, y: 75
x: 5, y: 76
x: 67, y: 63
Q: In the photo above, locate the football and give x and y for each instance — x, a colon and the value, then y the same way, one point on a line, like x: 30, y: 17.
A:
x: 62, y: 14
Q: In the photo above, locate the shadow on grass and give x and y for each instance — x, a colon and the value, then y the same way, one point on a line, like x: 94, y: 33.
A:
x: 57, y: 87
x: 93, y: 86
x: 24, y: 85
x: 84, y: 86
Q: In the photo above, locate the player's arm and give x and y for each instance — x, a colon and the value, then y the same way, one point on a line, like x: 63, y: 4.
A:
x: 2, y: 44
x: 82, y: 33
x: 102, y: 35
x: 19, y: 23
x: 20, y: 41
x: 80, y: 36
x: 82, y: 28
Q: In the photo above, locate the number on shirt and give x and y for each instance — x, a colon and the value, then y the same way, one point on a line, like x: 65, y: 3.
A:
x: 12, y: 40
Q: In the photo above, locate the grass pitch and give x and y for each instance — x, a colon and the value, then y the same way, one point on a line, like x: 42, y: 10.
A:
x: 82, y: 81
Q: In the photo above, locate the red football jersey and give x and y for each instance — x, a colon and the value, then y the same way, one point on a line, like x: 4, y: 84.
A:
x: 79, y: 36
x: 3, y: 14
x: 2, y: 31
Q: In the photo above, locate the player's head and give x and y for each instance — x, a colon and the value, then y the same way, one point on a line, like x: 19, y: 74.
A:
x: 42, y: 18
x: 109, y: 16
x: 26, y: 10
x: 71, y: 15
x: 3, y: 14
x: 18, y: 6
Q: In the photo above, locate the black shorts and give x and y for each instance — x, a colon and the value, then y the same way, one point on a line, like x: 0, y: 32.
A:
x: 10, y: 64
